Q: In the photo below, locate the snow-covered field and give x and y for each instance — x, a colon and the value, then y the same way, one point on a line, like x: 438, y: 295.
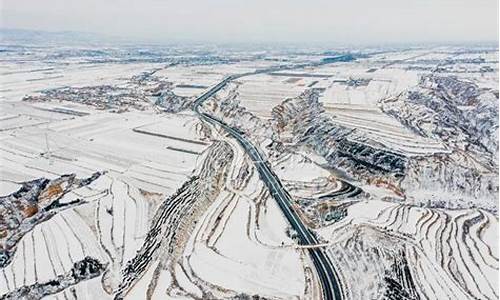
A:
x: 179, y: 210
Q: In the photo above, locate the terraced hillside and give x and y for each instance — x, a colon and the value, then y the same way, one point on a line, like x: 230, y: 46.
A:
x: 160, y: 172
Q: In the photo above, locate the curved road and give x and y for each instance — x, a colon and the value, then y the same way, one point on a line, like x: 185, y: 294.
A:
x: 324, y: 267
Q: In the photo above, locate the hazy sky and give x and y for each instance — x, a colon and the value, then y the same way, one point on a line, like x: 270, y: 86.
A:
x: 344, y: 22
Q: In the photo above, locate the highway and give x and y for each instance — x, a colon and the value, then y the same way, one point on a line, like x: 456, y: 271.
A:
x: 324, y: 267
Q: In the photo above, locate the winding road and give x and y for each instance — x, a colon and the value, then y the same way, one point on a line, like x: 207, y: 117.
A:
x: 324, y: 267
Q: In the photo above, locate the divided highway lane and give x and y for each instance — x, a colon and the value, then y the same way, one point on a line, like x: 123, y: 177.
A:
x: 324, y: 267
x: 322, y: 263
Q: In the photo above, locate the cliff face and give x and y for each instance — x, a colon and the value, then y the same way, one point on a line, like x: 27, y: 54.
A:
x: 347, y: 149
x: 169, y: 102
x: 456, y: 114
x: 464, y: 118
x: 454, y: 111
x: 464, y: 177
x: 35, y: 202
x: 85, y: 269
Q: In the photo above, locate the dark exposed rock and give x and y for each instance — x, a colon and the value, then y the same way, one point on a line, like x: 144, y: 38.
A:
x: 169, y: 102
x: 454, y: 111
x: 85, y: 269
x: 465, y: 119
x: 35, y: 202
x: 399, y: 280
x: 244, y: 296
x: 344, y: 148
x: 450, y: 180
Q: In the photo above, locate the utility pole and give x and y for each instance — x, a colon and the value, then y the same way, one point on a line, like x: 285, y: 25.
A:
x: 49, y: 156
